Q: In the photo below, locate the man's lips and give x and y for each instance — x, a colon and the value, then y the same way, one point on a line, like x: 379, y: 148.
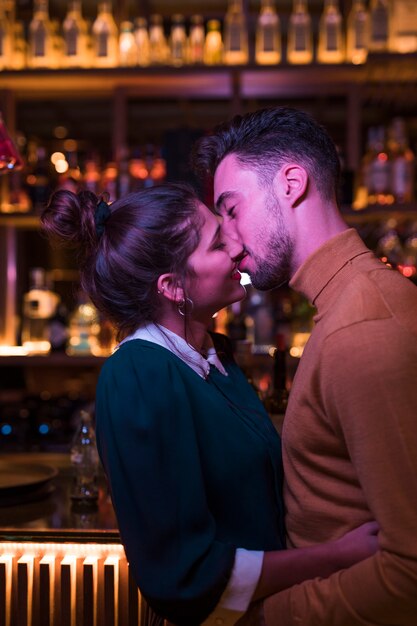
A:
x: 236, y: 275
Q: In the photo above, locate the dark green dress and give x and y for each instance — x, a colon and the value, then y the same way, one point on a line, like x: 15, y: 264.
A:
x: 194, y: 468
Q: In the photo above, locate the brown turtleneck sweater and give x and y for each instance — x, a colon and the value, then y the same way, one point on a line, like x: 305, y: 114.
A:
x: 350, y: 439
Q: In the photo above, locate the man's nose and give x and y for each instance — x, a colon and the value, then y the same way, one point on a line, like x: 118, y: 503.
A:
x: 235, y: 248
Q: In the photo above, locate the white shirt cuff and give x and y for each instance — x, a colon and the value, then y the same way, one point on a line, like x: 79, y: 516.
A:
x: 240, y: 588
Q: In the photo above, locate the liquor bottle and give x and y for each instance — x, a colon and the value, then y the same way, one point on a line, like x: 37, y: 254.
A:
x: 331, y: 45
x: 357, y: 33
x: 6, y: 40
x: 157, y: 40
x: 128, y: 52
x: 39, y: 305
x: 178, y: 41
x: 83, y: 328
x: 19, y: 56
x: 402, y: 162
x: 379, y: 25
x: 235, y: 35
x: 74, y: 30
x: 268, y: 35
x: 142, y: 42
x: 105, y: 37
x: 277, y: 399
x: 196, y: 40
x: 58, y: 46
x: 300, y: 34
x: 379, y: 179
x: 403, y: 27
x: 40, y: 36
x: 213, y: 44
x: 84, y: 461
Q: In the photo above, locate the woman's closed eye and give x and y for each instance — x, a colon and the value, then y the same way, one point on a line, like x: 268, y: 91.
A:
x: 230, y: 212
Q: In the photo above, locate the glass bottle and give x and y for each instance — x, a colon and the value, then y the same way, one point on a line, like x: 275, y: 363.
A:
x: 85, y: 461
x: 178, y: 41
x: 19, y: 56
x: 196, y: 40
x: 277, y: 399
x: 142, y: 42
x: 213, y: 44
x: 379, y: 25
x: 403, y: 26
x: 74, y: 30
x: 330, y: 45
x: 105, y: 37
x: 6, y: 40
x: 40, y: 36
x: 380, y: 170
x: 357, y: 33
x: 268, y: 35
x: 300, y: 34
x: 235, y: 35
x: 402, y: 162
x: 39, y: 305
x: 157, y: 40
x: 127, y: 45
x: 83, y: 328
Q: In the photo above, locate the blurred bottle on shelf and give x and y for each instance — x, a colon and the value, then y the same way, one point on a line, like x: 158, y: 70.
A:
x: 74, y: 29
x: 157, y: 40
x: 389, y: 247
x: 379, y: 25
x: 300, y: 34
x: 268, y: 35
x: 331, y: 47
x: 178, y: 41
x: 402, y: 162
x: 39, y: 176
x: 142, y: 42
x: 276, y: 399
x: 128, y: 51
x: 379, y: 170
x: 213, y: 44
x: 196, y: 37
x: 357, y: 38
x: 19, y: 46
x: 58, y: 328
x: 236, y: 51
x: 83, y: 328
x: 105, y: 37
x: 39, y: 306
x: 41, y: 48
x: 84, y: 461
x: 403, y: 27
x: 6, y: 40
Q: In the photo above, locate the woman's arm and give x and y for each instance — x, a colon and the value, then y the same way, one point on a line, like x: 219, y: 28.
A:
x: 285, y: 568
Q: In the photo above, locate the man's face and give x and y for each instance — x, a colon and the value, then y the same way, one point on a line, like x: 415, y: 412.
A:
x: 253, y: 217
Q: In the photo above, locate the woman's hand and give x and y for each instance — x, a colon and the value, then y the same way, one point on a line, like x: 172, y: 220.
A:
x: 356, y: 545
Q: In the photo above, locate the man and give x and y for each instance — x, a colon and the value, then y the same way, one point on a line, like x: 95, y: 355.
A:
x: 350, y: 431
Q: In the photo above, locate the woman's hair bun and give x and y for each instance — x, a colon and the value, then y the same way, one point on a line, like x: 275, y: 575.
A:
x: 68, y: 219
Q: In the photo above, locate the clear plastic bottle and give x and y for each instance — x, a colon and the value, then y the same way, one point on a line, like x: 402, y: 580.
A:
x: 85, y: 461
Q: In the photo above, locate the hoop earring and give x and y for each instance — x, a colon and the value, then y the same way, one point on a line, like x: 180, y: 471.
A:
x: 183, y: 305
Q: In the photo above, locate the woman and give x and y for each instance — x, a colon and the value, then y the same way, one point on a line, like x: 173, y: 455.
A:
x: 193, y: 461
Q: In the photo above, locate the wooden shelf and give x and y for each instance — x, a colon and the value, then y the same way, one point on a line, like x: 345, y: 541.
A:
x: 208, y: 82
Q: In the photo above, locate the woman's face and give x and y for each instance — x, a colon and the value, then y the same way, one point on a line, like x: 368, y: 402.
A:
x: 215, y: 280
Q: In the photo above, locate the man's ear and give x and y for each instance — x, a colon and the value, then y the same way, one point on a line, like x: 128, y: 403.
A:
x: 168, y: 286
x: 291, y: 183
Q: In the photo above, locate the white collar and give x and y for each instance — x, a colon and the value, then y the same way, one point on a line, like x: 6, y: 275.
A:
x: 167, y: 339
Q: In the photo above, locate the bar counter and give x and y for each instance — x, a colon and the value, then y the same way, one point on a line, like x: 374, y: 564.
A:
x: 62, y: 563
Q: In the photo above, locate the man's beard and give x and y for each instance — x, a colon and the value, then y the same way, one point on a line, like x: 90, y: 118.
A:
x: 274, y: 268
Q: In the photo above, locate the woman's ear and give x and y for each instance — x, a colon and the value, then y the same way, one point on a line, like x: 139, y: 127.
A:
x: 168, y: 286
x: 291, y: 182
